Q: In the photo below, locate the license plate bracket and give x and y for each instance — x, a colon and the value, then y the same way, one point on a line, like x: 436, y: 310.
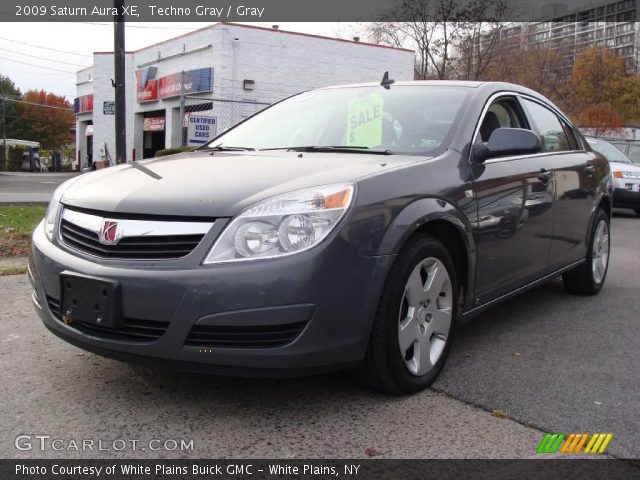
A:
x: 90, y: 300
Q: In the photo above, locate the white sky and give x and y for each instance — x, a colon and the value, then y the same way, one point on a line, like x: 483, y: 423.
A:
x: 85, y: 38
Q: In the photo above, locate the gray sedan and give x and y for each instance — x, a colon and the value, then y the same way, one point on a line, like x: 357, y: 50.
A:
x: 348, y: 227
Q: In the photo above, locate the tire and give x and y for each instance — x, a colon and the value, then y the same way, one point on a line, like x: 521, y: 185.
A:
x: 637, y: 210
x: 589, y: 277
x: 413, y: 328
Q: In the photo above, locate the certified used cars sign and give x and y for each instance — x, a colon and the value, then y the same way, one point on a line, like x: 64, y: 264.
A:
x: 201, y: 129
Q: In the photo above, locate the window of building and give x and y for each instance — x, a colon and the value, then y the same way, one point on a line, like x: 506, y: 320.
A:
x: 624, y: 39
x: 627, y: 4
x: 626, y: 27
x: 625, y: 16
x: 624, y: 51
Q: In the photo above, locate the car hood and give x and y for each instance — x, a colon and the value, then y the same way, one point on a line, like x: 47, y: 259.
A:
x: 218, y: 185
x: 624, y: 167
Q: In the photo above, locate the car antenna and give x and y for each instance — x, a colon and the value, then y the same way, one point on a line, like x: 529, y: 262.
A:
x: 386, y: 81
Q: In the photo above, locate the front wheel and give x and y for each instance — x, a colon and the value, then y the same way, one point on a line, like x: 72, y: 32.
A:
x: 588, y: 278
x: 414, y: 323
x: 637, y: 210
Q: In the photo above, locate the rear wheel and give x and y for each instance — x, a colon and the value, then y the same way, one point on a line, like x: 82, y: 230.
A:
x: 589, y: 277
x: 414, y: 324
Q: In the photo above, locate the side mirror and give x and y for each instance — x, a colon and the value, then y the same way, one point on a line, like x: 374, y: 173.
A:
x: 507, y: 141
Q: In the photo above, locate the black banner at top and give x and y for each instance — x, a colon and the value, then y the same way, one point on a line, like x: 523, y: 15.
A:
x: 325, y: 11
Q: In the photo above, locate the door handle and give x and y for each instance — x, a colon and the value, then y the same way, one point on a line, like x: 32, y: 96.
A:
x: 545, y: 175
x: 590, y: 169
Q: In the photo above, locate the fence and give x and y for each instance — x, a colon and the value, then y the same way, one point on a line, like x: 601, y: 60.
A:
x: 217, y: 115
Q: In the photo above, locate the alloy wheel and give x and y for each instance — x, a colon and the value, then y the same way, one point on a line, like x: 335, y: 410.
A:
x: 600, y: 252
x: 424, y: 320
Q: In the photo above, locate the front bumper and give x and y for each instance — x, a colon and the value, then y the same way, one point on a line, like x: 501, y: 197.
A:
x: 329, y: 293
x: 623, y: 198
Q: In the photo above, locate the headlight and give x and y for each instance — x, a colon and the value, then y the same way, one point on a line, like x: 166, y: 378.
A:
x: 54, y: 207
x: 283, y: 225
x: 619, y: 174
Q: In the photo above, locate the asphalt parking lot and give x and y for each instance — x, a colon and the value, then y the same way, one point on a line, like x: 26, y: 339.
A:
x: 19, y: 187
x: 552, y: 362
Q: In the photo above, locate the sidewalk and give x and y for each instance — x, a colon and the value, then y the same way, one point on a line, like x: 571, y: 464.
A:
x: 13, y: 265
x: 8, y: 262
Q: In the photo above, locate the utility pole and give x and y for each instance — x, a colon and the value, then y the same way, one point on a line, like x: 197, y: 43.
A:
x: 182, y: 102
x: 4, y: 131
x: 119, y: 84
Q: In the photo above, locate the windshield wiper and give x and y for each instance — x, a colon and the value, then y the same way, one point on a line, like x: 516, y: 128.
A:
x: 224, y: 148
x: 333, y: 148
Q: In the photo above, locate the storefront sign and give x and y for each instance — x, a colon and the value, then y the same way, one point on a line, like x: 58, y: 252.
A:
x: 153, y: 124
x: 201, y: 129
x: 149, y: 88
x: 108, y: 108
x: 146, y: 84
x: 83, y: 104
x: 195, y: 81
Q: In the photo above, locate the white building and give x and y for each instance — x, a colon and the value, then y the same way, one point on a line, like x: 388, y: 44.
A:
x: 229, y: 71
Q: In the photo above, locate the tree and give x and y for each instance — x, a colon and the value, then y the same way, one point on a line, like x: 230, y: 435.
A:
x: 601, y: 90
x: 49, y: 116
x: 603, y: 119
x: 545, y: 69
x: 477, y: 50
x: 435, y: 29
x: 13, y: 127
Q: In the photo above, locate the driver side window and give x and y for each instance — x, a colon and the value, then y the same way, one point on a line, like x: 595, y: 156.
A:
x: 503, y: 113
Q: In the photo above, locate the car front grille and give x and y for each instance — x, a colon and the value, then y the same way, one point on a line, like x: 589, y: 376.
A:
x: 144, y: 239
x: 258, y: 336
x: 175, y: 246
x: 134, y: 330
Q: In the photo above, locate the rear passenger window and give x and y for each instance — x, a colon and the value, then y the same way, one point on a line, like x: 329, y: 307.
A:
x: 554, y: 138
x: 574, y: 143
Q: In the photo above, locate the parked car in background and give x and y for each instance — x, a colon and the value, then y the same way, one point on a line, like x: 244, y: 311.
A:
x: 630, y: 149
x: 346, y: 227
x: 625, y: 173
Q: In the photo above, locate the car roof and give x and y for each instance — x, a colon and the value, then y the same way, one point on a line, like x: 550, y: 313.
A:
x: 480, y: 87
x: 440, y: 83
x: 448, y: 83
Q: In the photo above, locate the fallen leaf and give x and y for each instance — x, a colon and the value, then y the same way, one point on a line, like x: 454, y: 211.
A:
x: 515, y: 354
x: 499, y: 413
x: 372, y: 452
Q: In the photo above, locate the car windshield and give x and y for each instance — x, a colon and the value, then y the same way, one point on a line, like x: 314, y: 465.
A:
x: 402, y: 119
x: 611, y: 153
